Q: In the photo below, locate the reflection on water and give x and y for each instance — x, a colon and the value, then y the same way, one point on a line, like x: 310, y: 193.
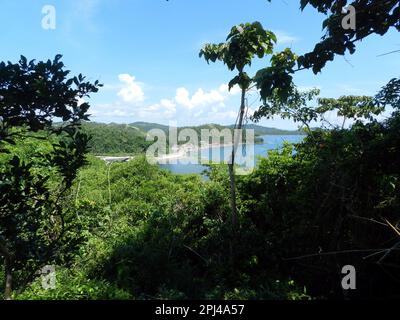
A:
x: 194, y: 163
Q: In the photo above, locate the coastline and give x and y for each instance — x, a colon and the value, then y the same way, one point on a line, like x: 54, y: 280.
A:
x: 182, y: 154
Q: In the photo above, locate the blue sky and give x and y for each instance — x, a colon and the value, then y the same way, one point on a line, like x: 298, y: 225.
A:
x: 145, y: 52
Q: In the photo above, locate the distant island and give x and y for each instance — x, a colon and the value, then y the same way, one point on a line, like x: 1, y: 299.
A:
x: 130, y: 139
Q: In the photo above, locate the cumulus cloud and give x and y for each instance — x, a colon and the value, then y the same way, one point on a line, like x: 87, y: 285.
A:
x: 200, y: 98
x: 165, y: 108
x: 168, y: 104
x: 182, y: 97
x: 131, y: 92
x: 201, y: 105
x: 203, y: 98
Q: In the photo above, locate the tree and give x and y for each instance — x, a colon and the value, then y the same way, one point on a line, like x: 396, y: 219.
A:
x: 34, y: 227
x: 350, y: 107
x: 296, y: 107
x: 372, y: 17
x: 293, y: 107
x: 243, y: 43
x: 389, y: 95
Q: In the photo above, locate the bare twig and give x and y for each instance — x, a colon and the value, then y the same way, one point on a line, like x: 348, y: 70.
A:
x: 368, y: 219
x: 197, y: 254
x: 393, y: 227
x: 385, y: 54
x: 389, y: 251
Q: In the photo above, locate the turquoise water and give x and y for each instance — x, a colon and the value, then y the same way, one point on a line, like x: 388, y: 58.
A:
x: 218, y: 154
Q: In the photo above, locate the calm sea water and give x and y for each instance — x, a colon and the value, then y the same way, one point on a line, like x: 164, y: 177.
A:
x: 218, y: 154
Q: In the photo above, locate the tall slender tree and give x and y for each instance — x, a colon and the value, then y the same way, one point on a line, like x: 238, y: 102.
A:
x: 243, y: 44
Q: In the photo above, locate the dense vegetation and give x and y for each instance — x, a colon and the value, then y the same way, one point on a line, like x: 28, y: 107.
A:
x: 115, y: 139
x: 34, y: 226
x: 138, y: 232
x: 135, y: 231
x: 152, y: 234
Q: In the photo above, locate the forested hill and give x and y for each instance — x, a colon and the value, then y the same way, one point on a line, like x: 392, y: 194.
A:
x: 128, y: 139
x: 262, y: 131
x: 259, y: 130
x: 115, y: 139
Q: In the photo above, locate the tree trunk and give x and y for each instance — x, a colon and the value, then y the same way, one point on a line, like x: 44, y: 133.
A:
x: 8, y: 280
x: 231, y: 165
x: 234, y: 213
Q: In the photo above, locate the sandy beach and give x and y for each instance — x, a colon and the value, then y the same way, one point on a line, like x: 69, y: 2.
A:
x: 183, y: 152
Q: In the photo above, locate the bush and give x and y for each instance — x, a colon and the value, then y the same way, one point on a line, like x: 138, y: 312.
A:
x: 74, y: 285
x: 325, y: 198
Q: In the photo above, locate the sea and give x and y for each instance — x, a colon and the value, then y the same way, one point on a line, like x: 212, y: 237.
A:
x: 247, y: 155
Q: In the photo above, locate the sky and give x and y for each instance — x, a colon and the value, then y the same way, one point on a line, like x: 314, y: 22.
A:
x: 146, y: 53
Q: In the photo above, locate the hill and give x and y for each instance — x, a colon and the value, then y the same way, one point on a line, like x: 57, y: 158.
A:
x: 263, y: 131
x: 115, y: 139
x: 147, y: 126
x: 130, y: 139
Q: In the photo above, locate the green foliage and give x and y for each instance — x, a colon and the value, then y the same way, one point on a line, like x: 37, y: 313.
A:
x: 373, y: 17
x: 150, y: 234
x: 123, y: 140
x: 45, y: 84
x: 163, y: 237
x: 325, y: 198
x: 295, y: 107
x: 73, y: 285
x: 277, y: 79
x: 246, y: 41
x: 115, y: 139
x: 35, y: 229
x: 351, y: 107
x: 243, y: 43
x: 263, y: 131
x: 275, y: 290
x: 389, y: 95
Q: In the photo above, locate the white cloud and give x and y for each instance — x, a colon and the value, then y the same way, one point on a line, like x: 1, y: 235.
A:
x: 182, y: 97
x: 110, y: 110
x: 168, y: 104
x: 132, y: 92
x: 166, y: 108
x: 203, y: 98
x: 285, y: 38
x: 200, y: 98
x: 203, y: 105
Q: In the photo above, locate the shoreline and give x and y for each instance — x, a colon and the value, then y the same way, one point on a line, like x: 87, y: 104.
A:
x: 182, y: 154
